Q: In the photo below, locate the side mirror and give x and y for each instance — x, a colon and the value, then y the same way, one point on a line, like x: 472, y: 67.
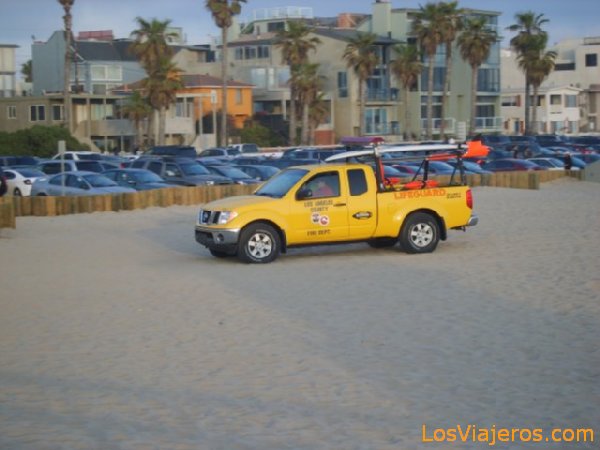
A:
x: 304, y: 193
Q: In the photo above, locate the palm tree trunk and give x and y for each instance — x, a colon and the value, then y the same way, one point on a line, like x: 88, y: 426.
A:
x: 430, y: 98
x: 305, y: 130
x: 67, y: 74
x: 446, y: 92
x: 292, y: 116
x: 361, y: 107
x: 223, y: 139
x: 474, y: 74
x: 162, y: 119
x: 534, y: 129
x: 527, y: 104
x: 407, y: 125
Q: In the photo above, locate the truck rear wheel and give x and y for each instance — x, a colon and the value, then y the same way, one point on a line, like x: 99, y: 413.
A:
x: 420, y: 233
x: 259, y: 243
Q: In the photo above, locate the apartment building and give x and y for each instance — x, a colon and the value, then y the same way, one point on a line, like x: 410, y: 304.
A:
x: 8, y: 70
x: 569, y: 97
x: 256, y: 60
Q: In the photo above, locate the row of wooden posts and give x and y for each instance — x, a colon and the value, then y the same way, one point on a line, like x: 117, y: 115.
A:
x: 13, y: 207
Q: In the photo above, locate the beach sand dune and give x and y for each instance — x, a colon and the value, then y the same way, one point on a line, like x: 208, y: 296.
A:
x: 118, y: 331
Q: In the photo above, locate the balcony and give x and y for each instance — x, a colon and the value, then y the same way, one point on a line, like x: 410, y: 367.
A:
x: 449, y: 128
x: 488, y: 124
x: 382, y: 129
x: 382, y: 95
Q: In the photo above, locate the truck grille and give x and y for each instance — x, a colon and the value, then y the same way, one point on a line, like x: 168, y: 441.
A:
x: 209, y: 217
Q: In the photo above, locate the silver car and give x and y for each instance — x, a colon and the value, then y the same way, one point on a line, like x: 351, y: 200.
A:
x: 77, y: 183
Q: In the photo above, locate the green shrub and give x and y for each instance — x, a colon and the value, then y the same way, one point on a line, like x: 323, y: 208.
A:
x: 38, y: 140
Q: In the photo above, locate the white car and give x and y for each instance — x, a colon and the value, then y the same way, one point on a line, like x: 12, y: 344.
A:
x: 19, y: 181
x: 80, y: 156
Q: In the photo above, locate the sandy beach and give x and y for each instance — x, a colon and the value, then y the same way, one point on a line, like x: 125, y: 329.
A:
x: 118, y: 331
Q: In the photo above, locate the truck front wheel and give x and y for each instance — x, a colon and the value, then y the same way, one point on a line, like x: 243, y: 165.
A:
x: 420, y: 233
x: 259, y: 243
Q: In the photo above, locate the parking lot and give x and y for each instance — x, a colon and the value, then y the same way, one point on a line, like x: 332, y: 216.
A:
x: 118, y: 331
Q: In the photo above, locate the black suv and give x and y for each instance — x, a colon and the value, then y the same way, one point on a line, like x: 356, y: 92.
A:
x: 178, y: 151
x: 182, y: 171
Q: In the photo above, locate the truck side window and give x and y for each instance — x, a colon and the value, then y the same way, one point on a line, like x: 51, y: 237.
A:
x: 324, y: 185
x: 357, y: 182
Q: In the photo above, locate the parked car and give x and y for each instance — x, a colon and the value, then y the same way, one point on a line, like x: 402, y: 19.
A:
x: 77, y: 183
x: 470, y: 167
x: 3, y: 183
x: 53, y: 167
x: 79, y: 156
x: 548, y: 163
x: 138, y: 179
x: 576, y: 162
x: 20, y: 180
x: 11, y: 161
x: 182, y: 171
x: 510, y: 164
x: 260, y: 172
x: 238, y: 176
x: 178, y: 151
x: 225, y: 154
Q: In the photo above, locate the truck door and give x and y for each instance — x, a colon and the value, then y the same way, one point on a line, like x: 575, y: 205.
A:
x: 362, y: 205
x: 321, y: 215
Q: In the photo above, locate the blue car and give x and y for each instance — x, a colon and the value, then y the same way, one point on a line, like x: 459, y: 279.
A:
x: 138, y: 179
x: 77, y: 183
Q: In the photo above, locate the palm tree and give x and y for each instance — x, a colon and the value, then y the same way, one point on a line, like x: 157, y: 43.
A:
x: 295, y: 45
x: 528, y: 24
x: 223, y: 12
x: 475, y: 43
x: 154, y: 53
x: 407, y: 68
x: 137, y: 109
x: 428, y: 32
x: 27, y: 71
x: 450, y: 25
x: 318, y: 111
x: 67, y: 18
x: 360, y: 56
x: 307, y: 83
x: 161, y: 89
x: 538, y: 63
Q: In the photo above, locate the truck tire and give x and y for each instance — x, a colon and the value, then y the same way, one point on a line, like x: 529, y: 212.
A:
x: 384, y: 242
x: 259, y: 243
x: 420, y: 233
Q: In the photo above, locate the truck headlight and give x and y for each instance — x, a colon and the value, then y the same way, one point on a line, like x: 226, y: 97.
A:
x: 227, y: 216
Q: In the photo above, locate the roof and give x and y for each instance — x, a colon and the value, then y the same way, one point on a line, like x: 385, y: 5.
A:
x: 344, y: 34
x: 191, y: 81
x: 118, y: 50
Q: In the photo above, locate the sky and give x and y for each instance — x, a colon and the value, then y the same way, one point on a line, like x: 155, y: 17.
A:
x: 23, y: 21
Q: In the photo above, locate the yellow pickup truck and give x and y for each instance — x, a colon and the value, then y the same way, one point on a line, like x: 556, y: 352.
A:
x: 333, y: 203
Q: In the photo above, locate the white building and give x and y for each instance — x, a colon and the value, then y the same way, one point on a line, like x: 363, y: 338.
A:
x: 8, y: 70
x: 570, y: 96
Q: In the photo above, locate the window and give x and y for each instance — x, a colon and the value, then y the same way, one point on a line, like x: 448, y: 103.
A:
x: 99, y: 89
x: 591, y: 60
x: 98, y: 72
x: 357, y: 182
x: 238, y: 97
x: 512, y: 100
x: 342, y: 81
x: 11, y: 112
x: 264, y: 51
x: 57, y: 112
x: 324, y: 185
x: 488, y: 80
x: 250, y: 52
x: 239, y: 53
x: 571, y: 101
x: 555, y: 99
x: 283, y: 76
x: 155, y: 167
x: 37, y: 113
x: 258, y: 77
x: 485, y: 111
x: 438, y: 79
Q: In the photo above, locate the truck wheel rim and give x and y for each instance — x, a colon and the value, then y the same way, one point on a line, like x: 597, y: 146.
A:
x: 260, y: 245
x: 421, y: 235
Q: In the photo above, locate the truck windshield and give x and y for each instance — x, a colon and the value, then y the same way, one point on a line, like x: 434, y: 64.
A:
x: 281, y: 183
